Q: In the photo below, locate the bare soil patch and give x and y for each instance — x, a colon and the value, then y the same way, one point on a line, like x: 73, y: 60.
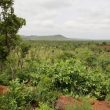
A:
x: 3, y: 89
x: 64, y: 101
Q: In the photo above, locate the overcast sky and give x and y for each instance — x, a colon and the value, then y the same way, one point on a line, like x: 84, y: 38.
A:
x: 72, y: 18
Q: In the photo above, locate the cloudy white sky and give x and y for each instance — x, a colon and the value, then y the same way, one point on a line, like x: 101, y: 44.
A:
x: 72, y: 18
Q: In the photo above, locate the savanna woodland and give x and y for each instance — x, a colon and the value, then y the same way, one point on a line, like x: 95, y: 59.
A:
x: 50, y: 75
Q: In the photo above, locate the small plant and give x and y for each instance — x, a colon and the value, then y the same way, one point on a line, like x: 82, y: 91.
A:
x: 44, y: 107
x: 84, y: 106
x: 108, y: 97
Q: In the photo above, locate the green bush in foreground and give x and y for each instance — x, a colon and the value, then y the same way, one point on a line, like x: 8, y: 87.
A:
x: 18, y: 98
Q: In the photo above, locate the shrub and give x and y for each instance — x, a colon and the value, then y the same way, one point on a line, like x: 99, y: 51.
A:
x: 44, y: 106
x: 18, y: 98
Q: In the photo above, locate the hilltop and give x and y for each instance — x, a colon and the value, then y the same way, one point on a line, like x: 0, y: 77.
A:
x: 49, y: 37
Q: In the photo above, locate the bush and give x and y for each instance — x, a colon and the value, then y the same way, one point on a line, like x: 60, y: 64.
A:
x: 18, y: 98
x: 44, y: 107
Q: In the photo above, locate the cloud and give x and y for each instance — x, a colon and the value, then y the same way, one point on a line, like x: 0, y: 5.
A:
x: 73, y: 18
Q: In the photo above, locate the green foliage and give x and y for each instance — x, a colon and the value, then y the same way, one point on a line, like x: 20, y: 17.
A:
x: 44, y: 107
x: 18, y: 98
x: 108, y: 97
x: 84, y: 106
x: 49, y: 69
x: 9, y: 26
x: 24, y: 49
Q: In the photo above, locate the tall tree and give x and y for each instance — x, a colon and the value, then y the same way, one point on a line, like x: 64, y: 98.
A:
x: 9, y: 26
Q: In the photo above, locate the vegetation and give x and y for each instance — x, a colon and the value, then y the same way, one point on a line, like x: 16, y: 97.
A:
x: 9, y: 26
x: 41, y: 71
x: 38, y: 72
x: 85, y: 106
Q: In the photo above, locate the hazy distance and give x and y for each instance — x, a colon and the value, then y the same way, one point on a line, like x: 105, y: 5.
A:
x: 85, y: 19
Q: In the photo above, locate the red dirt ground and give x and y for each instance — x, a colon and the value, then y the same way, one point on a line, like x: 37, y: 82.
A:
x: 105, y: 46
x: 3, y: 89
x: 101, y: 105
x: 63, y: 101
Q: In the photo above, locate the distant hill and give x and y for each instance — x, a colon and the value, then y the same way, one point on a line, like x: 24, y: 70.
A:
x: 49, y: 37
x: 58, y: 38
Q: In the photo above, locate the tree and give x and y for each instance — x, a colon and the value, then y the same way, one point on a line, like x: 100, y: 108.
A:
x: 9, y: 27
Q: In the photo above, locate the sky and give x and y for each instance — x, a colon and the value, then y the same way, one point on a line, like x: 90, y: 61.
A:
x: 85, y: 19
